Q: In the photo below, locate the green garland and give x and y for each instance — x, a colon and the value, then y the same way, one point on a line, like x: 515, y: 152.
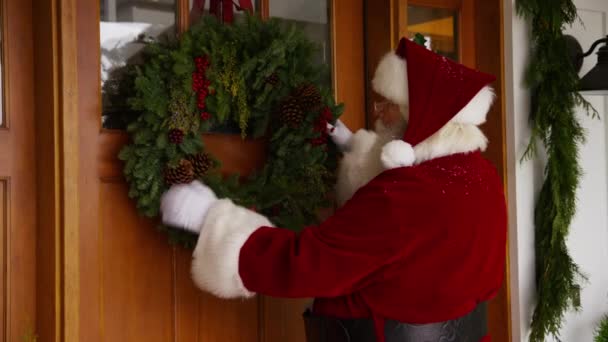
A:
x: 257, y: 76
x: 601, y: 334
x: 554, y: 84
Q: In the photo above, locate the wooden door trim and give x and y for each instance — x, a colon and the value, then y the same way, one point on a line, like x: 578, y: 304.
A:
x: 489, y: 43
x: 69, y: 158
x: 5, y: 221
x: 399, y: 20
x: 264, y: 9
x: 5, y: 125
x: 57, y: 141
x: 447, y: 4
x: 182, y: 17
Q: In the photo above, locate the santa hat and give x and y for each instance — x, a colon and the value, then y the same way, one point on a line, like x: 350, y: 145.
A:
x: 436, y: 89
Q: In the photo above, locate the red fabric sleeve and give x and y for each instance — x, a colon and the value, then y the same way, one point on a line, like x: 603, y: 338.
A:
x: 338, y: 257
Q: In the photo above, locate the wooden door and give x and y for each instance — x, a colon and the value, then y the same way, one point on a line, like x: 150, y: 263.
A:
x: 474, y: 28
x: 111, y: 276
x: 17, y: 174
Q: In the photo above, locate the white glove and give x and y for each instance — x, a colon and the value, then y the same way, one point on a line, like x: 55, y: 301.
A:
x: 340, y: 134
x: 186, y: 205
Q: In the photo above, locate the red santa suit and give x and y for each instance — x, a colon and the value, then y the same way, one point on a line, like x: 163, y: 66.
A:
x: 421, y: 240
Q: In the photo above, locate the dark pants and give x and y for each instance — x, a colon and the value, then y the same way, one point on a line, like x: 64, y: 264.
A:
x: 469, y: 328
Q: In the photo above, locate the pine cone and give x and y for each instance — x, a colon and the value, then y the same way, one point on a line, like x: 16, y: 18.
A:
x: 201, y: 163
x: 291, y: 113
x: 309, y: 97
x: 181, y: 174
x: 273, y: 79
x: 176, y: 136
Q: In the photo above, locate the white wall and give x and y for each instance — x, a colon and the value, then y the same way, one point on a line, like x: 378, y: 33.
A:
x: 588, y: 241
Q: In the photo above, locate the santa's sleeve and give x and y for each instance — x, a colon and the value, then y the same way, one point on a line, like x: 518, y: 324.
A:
x: 239, y: 254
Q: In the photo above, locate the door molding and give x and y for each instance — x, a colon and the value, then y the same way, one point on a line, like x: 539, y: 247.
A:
x: 57, y: 136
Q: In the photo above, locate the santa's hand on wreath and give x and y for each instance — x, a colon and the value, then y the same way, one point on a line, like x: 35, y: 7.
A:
x: 185, y: 205
x: 340, y: 135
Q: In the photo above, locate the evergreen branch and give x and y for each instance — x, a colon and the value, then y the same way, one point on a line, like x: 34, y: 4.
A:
x: 554, y: 84
x: 601, y: 334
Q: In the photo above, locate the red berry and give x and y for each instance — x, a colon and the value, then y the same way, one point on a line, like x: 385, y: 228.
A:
x: 327, y: 114
x: 276, y: 210
x: 176, y: 136
x: 205, y: 116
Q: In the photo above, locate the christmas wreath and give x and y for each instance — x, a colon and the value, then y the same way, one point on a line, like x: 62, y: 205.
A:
x: 258, y: 76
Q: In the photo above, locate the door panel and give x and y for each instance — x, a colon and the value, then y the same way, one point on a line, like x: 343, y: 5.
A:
x: 134, y: 285
x: 17, y: 174
x: 130, y: 304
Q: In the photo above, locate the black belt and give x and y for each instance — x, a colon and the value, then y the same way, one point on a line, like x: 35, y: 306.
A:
x: 470, y: 328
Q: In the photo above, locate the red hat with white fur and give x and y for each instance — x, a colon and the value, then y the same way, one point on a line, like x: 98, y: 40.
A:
x: 436, y: 91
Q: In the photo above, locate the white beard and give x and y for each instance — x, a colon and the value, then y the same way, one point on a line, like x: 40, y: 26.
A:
x: 362, y: 163
x: 388, y: 133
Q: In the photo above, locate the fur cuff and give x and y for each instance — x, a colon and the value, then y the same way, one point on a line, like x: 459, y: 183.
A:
x: 215, y: 261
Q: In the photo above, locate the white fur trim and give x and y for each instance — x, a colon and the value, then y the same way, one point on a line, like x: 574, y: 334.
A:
x: 451, y: 139
x: 476, y: 111
x: 390, y: 79
x: 397, y: 153
x: 359, y: 165
x: 215, y: 261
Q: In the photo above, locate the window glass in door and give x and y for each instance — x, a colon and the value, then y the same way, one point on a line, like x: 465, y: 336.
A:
x: 438, y: 25
x: 313, y: 17
x: 124, y: 26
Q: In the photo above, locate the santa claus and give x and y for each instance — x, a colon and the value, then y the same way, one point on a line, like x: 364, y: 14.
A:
x: 418, y: 244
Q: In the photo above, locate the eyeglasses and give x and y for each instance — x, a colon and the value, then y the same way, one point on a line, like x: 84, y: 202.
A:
x: 381, y: 106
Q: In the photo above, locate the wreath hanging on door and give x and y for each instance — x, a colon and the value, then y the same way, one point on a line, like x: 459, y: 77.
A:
x: 258, y: 76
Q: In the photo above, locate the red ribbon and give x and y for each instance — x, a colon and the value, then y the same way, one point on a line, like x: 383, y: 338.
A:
x: 224, y: 9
